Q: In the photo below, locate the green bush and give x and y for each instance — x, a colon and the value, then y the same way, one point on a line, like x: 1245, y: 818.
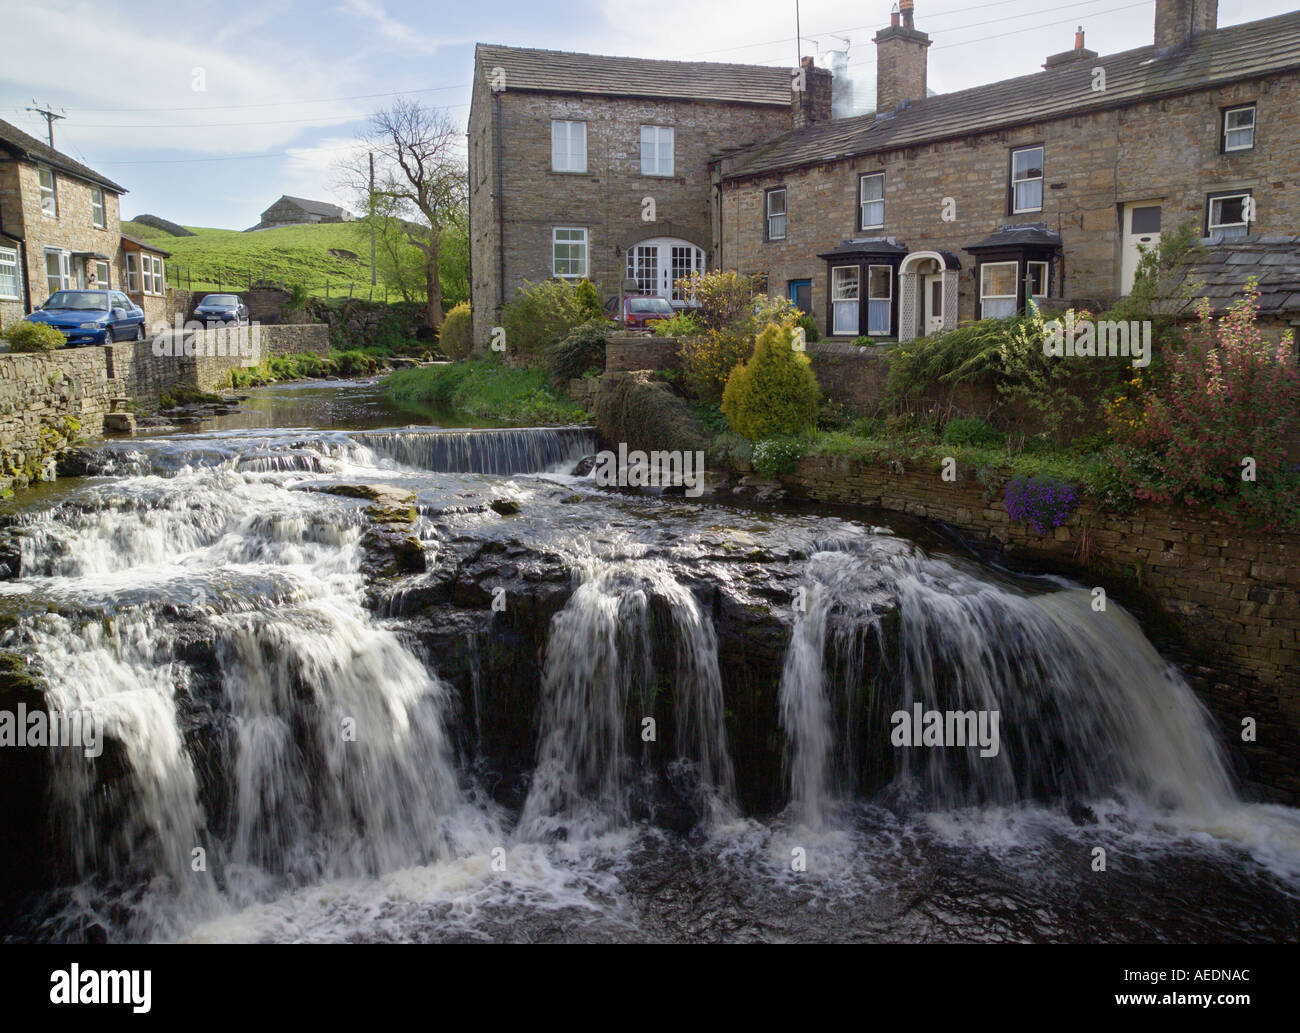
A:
x: 683, y: 324
x: 33, y: 337
x: 540, y: 316
x: 775, y: 392
x: 971, y: 430
x: 810, y: 332
x: 588, y: 300
x: 776, y: 456
x: 457, y: 337
x: 581, y: 350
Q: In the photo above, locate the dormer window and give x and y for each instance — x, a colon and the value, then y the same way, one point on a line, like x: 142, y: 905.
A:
x: 1239, y: 129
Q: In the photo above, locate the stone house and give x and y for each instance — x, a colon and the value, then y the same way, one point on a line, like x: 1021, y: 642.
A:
x: 933, y: 209
x: 60, y: 227
x: 290, y: 211
x: 598, y: 167
x: 950, y: 207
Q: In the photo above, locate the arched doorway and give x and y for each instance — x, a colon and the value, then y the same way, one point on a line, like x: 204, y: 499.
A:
x: 657, y: 263
x: 928, y: 293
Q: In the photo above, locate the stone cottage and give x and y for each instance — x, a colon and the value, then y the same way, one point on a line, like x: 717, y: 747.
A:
x: 930, y: 210
x: 60, y: 227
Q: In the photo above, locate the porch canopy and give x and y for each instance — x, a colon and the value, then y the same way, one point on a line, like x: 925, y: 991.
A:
x: 1025, y: 250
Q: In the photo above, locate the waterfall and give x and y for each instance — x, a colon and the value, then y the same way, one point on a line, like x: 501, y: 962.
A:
x: 600, y: 685
x: 323, y: 753
x: 1085, y: 706
x: 504, y: 452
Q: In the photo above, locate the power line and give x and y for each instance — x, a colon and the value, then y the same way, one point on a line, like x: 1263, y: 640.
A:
x: 286, y: 103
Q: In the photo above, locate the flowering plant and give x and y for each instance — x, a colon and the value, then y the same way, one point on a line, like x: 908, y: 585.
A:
x: 1044, y: 502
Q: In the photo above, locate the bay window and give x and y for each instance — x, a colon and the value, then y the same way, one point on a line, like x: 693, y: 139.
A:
x: 999, y: 289
x: 880, y: 299
x: 845, y: 283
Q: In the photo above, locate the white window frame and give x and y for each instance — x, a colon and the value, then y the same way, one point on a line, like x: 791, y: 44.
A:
x: 985, y: 297
x: 133, y: 272
x: 65, y: 269
x: 1212, y: 227
x: 155, y: 264
x: 1040, y: 179
x: 1229, y: 129
x: 104, y: 267
x: 52, y: 191
x: 9, y: 258
x: 569, y: 241
x: 836, y: 298
x: 98, y: 213
x: 658, y: 136
x: 864, y: 202
x: 887, y: 298
x: 564, y: 134
x: 783, y: 214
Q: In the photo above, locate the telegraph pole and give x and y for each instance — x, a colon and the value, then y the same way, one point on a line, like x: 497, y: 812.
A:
x: 372, y: 219
x: 49, y: 117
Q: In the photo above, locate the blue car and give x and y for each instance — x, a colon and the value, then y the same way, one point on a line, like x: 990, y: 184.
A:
x: 92, y: 317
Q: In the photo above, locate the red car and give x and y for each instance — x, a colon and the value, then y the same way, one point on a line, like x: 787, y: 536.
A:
x: 640, y: 310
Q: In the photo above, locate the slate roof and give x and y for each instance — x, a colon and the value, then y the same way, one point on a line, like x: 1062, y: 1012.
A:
x: 1274, y: 259
x: 1254, y: 49
x: 557, y: 71
x: 19, y: 143
x: 312, y: 207
x: 1020, y: 234
x: 145, y: 245
x: 883, y: 246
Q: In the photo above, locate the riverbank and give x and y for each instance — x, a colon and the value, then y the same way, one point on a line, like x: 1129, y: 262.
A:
x: 484, y: 389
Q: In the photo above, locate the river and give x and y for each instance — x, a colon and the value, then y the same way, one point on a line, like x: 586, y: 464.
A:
x: 309, y: 740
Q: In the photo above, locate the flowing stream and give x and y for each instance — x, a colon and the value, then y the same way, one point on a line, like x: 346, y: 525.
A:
x: 590, y: 715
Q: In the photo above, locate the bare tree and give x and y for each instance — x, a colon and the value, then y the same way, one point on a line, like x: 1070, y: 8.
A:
x: 420, y: 180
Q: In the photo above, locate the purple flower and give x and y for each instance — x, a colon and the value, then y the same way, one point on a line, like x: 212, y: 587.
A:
x: 1043, y: 502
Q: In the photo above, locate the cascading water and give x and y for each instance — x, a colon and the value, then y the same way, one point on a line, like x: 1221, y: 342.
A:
x: 601, y: 683
x: 273, y: 700
x: 1085, y: 706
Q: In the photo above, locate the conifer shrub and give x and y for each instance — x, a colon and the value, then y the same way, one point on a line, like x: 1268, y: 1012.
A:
x: 457, y: 336
x: 775, y: 392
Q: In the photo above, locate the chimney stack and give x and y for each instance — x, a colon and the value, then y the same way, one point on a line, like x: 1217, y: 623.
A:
x: 1179, y: 21
x: 813, y: 102
x: 1067, y: 56
x: 900, y: 60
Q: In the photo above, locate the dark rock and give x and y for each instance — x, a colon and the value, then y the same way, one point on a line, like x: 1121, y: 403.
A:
x: 506, y: 507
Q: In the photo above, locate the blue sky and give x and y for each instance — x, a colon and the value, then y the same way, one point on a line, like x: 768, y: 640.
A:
x: 208, y: 116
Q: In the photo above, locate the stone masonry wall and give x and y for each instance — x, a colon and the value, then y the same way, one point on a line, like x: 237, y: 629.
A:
x: 1235, y: 596
x: 40, y: 392
x: 1165, y: 151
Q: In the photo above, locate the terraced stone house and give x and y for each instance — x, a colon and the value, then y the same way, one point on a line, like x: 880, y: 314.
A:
x: 934, y: 208
x: 60, y: 227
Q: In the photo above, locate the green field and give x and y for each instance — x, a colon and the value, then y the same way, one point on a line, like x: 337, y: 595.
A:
x: 224, y: 259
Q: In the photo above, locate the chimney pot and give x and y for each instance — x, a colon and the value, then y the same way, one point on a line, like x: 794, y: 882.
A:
x: 1078, y: 38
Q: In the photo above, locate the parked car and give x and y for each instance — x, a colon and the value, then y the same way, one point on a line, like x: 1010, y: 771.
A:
x: 640, y: 310
x: 92, y: 316
x: 221, y: 308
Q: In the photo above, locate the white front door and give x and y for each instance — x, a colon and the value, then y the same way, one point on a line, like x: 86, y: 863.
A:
x: 1141, y: 230
x: 933, y: 290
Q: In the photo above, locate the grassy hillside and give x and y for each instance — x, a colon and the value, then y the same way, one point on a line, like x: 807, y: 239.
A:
x: 222, y: 259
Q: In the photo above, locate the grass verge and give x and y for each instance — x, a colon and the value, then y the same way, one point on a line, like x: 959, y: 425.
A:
x: 484, y: 389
